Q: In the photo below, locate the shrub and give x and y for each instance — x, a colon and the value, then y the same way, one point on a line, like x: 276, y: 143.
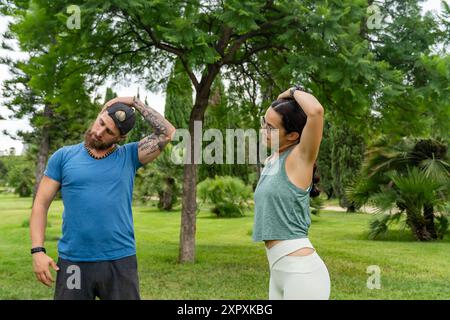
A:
x: 229, y: 195
x: 22, y: 180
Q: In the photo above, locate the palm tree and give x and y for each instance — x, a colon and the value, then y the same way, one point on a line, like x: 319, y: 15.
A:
x: 411, y: 178
x: 161, y: 178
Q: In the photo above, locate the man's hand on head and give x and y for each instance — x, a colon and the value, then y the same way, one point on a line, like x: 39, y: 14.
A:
x: 129, y: 101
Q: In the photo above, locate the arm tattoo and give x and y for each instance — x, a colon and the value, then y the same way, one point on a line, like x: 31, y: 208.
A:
x: 159, y: 138
x: 153, y: 143
x: 154, y: 119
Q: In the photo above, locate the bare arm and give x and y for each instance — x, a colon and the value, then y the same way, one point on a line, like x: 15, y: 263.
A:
x: 38, y: 222
x: 312, y: 132
x: 151, y: 146
x: 308, y: 148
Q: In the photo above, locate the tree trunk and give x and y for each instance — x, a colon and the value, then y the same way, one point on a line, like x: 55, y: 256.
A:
x: 44, y: 149
x: 166, y: 197
x: 351, y: 208
x: 421, y: 233
x: 429, y: 220
x: 188, y: 214
x: 419, y: 229
x: 189, y: 200
x: 160, y: 199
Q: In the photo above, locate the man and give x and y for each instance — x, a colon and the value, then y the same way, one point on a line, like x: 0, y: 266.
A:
x: 97, y: 252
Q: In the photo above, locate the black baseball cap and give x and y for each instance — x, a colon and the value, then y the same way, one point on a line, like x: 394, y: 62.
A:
x: 123, y: 116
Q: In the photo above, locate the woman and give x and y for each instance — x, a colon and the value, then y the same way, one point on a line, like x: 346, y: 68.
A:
x: 282, y: 216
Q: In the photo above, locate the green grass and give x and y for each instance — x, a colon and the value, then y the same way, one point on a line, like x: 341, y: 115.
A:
x: 229, y: 265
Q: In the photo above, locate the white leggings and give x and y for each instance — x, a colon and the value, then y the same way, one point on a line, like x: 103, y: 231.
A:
x: 297, y: 277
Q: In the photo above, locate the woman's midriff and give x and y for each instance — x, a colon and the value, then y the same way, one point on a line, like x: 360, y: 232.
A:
x: 300, y: 252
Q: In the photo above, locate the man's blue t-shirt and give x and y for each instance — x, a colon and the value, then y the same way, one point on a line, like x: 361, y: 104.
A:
x: 97, y: 196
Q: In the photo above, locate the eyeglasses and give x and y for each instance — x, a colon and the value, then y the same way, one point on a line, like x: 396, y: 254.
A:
x: 265, y: 125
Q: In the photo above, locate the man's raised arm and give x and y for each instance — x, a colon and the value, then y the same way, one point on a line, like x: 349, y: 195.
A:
x: 151, y: 146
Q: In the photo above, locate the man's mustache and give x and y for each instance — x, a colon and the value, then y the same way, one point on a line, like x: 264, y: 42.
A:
x: 95, y: 144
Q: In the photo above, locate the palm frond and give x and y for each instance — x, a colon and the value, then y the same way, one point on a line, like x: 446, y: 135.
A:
x: 414, y: 182
x: 436, y: 169
x: 379, y: 227
x: 359, y: 192
x: 383, y: 201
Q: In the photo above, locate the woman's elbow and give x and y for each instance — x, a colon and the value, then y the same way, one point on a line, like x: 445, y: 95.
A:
x: 318, y: 111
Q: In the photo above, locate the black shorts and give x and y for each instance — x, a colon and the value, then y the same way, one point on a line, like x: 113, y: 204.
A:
x: 106, y: 280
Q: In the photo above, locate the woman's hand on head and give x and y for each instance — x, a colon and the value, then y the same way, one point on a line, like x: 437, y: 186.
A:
x: 285, y: 95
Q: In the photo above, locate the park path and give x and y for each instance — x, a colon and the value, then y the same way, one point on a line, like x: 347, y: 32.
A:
x: 366, y: 209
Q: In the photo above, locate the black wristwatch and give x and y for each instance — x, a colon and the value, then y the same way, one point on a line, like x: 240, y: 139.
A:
x: 295, y: 88
x: 38, y: 249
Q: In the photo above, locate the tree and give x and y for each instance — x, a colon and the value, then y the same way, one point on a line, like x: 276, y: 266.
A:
x: 324, y: 161
x: 109, y: 94
x: 205, y: 36
x: 221, y: 116
x: 19, y: 174
x: 160, y: 178
x: 347, y: 149
x: 411, y: 176
x: 245, y: 106
x: 323, y: 44
x: 415, y: 100
x: 48, y: 86
x: 3, y: 173
x: 178, y: 105
x: 178, y: 96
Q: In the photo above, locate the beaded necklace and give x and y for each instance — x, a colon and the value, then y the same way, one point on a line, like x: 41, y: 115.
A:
x: 102, y: 157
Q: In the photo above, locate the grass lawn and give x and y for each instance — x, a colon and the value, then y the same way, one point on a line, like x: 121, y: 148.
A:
x: 229, y: 265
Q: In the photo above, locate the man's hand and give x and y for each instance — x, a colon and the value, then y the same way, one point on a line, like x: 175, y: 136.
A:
x: 41, y: 268
x: 129, y: 101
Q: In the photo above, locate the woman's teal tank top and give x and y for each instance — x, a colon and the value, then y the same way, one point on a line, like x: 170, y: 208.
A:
x: 281, y: 208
